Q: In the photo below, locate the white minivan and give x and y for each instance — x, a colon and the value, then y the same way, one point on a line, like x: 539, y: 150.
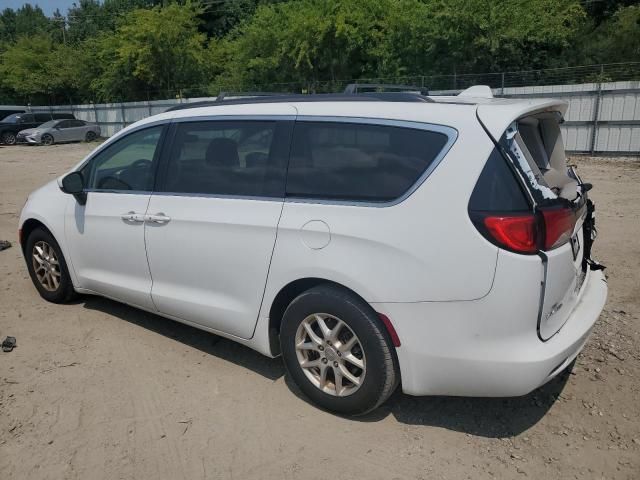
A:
x: 372, y: 240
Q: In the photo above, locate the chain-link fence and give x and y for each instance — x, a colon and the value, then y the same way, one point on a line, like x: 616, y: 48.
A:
x: 612, y: 72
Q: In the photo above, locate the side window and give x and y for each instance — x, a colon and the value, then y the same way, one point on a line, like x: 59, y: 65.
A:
x: 27, y: 118
x: 77, y: 123
x: 126, y: 164
x: 42, y: 117
x: 64, y: 124
x: 350, y: 161
x: 497, y: 190
x: 228, y: 158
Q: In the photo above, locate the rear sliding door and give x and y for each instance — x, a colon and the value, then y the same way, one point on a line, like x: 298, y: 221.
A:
x: 212, y: 220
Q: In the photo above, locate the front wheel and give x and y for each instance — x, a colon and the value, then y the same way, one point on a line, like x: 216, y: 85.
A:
x: 46, y: 139
x: 90, y: 137
x: 9, y: 138
x: 47, y: 267
x: 337, y: 351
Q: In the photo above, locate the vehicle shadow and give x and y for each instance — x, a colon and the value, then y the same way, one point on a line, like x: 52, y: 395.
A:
x: 485, y: 417
x: 205, y: 342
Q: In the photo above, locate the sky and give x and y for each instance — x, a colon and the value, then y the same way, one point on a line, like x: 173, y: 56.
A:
x: 47, y: 6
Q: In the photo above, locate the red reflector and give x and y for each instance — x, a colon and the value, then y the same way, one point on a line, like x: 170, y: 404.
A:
x: 517, y: 233
x: 392, y: 331
x: 558, y: 226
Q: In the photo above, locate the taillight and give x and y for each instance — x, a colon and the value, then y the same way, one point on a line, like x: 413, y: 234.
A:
x: 517, y: 233
x: 558, y: 226
x: 525, y: 232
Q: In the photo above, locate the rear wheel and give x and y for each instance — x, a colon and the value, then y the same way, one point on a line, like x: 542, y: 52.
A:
x: 46, y: 139
x: 90, y: 136
x: 9, y: 138
x: 47, y: 267
x: 337, y: 351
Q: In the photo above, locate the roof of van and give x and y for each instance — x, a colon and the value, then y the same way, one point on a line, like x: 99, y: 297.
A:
x: 496, y: 114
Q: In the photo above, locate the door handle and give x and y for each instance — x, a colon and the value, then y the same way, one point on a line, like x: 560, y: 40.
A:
x: 159, y: 218
x: 132, y: 217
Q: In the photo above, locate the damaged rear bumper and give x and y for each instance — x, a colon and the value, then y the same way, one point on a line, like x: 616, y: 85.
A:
x: 454, y: 355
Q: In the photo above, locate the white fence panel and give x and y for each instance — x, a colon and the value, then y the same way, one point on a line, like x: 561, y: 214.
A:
x: 602, y: 118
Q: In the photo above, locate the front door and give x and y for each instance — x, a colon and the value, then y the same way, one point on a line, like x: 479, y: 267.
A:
x: 106, y: 235
x: 70, y: 130
x: 211, y: 225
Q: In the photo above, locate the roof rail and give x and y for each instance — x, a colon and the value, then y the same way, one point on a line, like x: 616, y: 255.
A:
x: 355, y: 88
x: 222, y: 95
x: 222, y: 99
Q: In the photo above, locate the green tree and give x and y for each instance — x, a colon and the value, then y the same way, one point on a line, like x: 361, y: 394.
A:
x: 39, y: 70
x: 615, y: 40
x: 153, y: 52
x: 26, y: 20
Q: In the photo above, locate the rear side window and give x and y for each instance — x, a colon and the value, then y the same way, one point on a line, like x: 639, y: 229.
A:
x: 42, y: 117
x: 497, y: 190
x: 246, y: 158
x: 351, y: 161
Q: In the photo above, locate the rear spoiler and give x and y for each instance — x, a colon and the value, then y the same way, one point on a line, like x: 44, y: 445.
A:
x: 497, y: 115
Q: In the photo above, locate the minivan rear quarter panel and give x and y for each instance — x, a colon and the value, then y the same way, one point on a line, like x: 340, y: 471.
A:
x: 416, y: 250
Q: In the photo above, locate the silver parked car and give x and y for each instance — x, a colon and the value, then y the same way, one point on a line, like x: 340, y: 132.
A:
x: 57, y: 131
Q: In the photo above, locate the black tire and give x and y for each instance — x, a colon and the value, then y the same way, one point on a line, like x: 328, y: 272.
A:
x: 382, y: 374
x: 64, y: 291
x: 9, y: 138
x: 46, y: 139
x: 90, y: 137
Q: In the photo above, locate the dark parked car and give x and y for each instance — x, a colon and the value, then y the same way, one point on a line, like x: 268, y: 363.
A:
x: 11, y: 125
x: 6, y: 111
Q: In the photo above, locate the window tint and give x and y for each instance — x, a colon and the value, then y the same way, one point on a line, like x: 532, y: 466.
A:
x: 14, y: 118
x: 77, y: 123
x: 64, y: 124
x: 228, y: 158
x: 125, y: 164
x: 348, y: 161
x: 497, y: 189
x: 26, y: 118
x: 42, y: 117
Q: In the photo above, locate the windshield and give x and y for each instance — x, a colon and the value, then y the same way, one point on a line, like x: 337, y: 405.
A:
x: 49, y: 124
x: 13, y: 118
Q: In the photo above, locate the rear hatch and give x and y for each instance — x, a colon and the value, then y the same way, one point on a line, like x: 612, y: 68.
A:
x: 532, y: 141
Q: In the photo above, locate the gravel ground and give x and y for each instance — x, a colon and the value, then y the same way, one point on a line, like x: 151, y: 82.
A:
x: 98, y: 390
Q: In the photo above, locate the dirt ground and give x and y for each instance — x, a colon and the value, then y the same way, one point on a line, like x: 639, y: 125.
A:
x: 98, y: 390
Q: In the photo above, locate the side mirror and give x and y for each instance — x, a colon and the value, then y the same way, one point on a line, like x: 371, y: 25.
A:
x: 73, y: 184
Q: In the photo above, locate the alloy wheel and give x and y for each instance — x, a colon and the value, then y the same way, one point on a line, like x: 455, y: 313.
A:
x: 330, y: 354
x: 46, y: 266
x: 9, y: 138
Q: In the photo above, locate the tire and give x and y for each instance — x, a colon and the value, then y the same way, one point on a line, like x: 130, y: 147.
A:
x: 46, y: 139
x: 90, y: 137
x: 9, y: 138
x: 373, y: 350
x: 42, y: 243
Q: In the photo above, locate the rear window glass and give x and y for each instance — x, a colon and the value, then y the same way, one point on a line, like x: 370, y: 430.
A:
x: 42, y: 117
x: 350, y: 161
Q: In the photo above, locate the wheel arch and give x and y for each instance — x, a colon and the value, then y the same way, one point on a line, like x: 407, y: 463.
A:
x: 287, y: 294
x: 29, y: 226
